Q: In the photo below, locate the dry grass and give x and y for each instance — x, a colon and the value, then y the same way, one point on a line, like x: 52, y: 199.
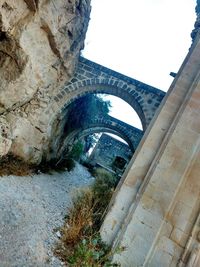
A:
x: 80, y: 218
x: 13, y: 165
x: 80, y: 244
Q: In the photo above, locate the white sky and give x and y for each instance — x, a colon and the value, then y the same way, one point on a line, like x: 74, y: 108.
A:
x: 144, y: 39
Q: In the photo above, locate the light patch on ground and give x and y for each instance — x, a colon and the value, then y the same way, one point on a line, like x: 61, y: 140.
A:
x: 32, y: 207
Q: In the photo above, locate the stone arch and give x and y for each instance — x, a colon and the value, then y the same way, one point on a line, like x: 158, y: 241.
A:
x: 90, y: 77
x: 94, y: 78
x: 99, y: 88
x: 82, y: 133
x: 108, y: 124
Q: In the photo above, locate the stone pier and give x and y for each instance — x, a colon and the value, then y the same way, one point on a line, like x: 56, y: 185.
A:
x: 154, y: 213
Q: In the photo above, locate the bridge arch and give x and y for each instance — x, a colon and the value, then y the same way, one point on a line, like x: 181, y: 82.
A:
x: 78, y: 134
x: 90, y: 77
x: 94, y: 78
x: 97, y: 87
x: 108, y: 124
x: 99, y: 124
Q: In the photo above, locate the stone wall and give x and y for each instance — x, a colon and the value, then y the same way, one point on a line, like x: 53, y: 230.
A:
x: 155, y: 210
x: 106, y: 152
x: 92, y: 78
x: 40, y: 43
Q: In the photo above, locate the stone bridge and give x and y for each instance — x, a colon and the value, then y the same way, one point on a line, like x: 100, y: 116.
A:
x: 107, y: 124
x: 94, y: 78
x: 91, y: 77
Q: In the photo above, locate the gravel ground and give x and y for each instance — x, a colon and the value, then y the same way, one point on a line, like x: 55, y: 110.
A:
x: 31, y: 208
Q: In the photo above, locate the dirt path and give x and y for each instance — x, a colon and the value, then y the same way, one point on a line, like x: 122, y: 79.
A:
x: 30, y: 209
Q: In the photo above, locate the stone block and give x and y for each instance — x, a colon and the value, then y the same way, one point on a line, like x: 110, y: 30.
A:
x: 179, y: 237
x: 160, y: 258
x: 149, y: 218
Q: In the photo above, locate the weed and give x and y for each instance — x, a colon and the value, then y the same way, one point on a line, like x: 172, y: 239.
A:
x: 102, y: 189
x: 80, y: 244
x: 80, y: 217
x: 14, y: 165
x: 91, y: 251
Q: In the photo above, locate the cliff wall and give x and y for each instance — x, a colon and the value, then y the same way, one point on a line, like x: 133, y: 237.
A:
x: 40, y: 42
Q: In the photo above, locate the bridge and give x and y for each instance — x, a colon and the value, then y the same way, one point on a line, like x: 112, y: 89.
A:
x: 91, y: 77
x: 98, y: 124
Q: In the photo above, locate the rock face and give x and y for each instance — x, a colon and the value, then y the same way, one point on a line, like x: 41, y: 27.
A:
x: 40, y: 41
x: 5, y: 136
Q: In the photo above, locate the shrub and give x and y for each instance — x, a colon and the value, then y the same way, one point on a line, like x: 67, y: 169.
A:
x: 103, y: 188
x: 91, y: 252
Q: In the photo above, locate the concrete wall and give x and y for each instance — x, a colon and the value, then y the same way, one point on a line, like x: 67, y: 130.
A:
x: 154, y: 213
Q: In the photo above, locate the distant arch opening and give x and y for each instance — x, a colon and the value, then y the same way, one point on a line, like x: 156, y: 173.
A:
x: 77, y: 118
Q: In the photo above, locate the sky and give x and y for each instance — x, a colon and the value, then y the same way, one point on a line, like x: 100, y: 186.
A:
x: 143, y: 39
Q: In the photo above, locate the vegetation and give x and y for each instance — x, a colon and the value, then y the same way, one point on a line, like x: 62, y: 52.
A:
x: 77, y: 151
x: 13, y: 165
x: 55, y: 165
x: 83, y: 109
x: 80, y: 244
x: 80, y: 113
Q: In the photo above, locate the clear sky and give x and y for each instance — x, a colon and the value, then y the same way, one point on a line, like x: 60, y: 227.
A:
x: 144, y: 39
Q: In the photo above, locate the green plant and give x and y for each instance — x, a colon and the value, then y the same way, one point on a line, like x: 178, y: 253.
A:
x: 77, y: 151
x: 81, y: 245
x: 91, y: 252
x: 83, y: 109
x: 103, y: 188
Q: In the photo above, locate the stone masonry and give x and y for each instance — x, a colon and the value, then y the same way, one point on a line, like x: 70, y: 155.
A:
x: 98, y: 124
x: 155, y: 211
x: 108, y: 152
x: 91, y: 77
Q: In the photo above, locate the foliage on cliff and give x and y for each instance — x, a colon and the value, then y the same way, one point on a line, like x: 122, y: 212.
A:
x: 83, y: 109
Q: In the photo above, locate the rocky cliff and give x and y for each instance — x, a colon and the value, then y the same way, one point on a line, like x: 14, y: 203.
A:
x: 40, y: 41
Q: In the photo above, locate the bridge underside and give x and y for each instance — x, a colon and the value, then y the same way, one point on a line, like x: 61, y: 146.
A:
x: 97, y: 124
x: 94, y: 78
